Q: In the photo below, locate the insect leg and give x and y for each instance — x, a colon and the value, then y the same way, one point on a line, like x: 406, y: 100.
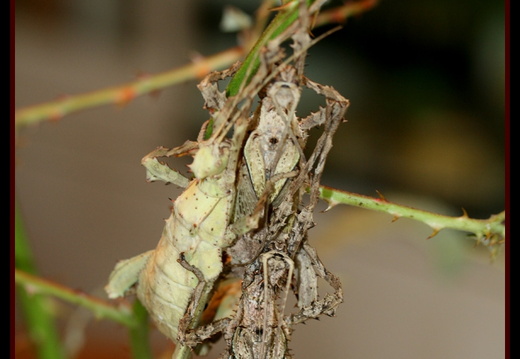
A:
x: 156, y: 170
x: 274, y: 273
x: 214, y: 100
x: 198, y: 335
x: 199, y: 298
x: 126, y: 274
x: 329, y: 303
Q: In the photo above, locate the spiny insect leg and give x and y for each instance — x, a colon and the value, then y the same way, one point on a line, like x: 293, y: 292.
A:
x: 329, y: 303
x: 199, y: 298
x: 156, y: 170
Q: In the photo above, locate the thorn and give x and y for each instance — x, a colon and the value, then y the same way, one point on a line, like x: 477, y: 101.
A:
x: 126, y: 95
x: 381, y: 197
x: 331, y: 204
x: 56, y: 116
x: 434, y: 233
x: 464, y: 213
x: 145, y: 76
x: 58, y: 113
x: 395, y: 218
x: 202, y: 66
x: 277, y: 8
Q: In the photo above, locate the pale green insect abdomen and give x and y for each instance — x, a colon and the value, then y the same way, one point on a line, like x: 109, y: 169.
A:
x: 197, y: 229
x: 165, y: 287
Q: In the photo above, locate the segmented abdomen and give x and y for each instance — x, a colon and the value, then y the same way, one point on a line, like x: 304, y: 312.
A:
x: 197, y: 229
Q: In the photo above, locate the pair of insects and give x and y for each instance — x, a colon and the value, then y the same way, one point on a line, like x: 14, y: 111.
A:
x: 243, y: 214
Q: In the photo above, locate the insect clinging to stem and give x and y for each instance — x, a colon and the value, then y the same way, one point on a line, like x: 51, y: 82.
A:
x: 249, y: 177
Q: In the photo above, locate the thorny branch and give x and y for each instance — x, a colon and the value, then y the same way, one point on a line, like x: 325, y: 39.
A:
x: 490, y: 233
x: 123, y: 94
x: 101, y: 308
x: 248, y: 187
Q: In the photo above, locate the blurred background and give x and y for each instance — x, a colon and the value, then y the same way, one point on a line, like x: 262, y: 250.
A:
x: 425, y: 127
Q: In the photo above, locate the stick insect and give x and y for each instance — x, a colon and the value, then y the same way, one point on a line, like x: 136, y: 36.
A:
x: 259, y: 325
x: 274, y: 165
x: 175, y: 281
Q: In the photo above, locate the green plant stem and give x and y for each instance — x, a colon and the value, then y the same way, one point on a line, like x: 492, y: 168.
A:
x: 139, y: 333
x: 280, y: 23
x: 124, y: 93
x: 100, y: 308
x: 250, y: 65
x: 55, y: 110
x: 489, y: 232
x: 181, y: 352
x: 36, y: 288
x: 35, y: 308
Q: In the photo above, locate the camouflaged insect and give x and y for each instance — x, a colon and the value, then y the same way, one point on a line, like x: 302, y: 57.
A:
x: 260, y: 326
x: 250, y: 165
x: 174, y: 281
x: 277, y: 255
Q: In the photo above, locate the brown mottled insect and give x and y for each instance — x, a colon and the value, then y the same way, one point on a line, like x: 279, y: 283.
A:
x: 175, y: 280
x: 277, y: 256
x: 260, y: 331
x: 286, y: 258
x: 250, y: 165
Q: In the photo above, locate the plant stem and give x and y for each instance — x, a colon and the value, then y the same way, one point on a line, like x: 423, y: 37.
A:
x: 139, y: 333
x: 34, y: 307
x: 489, y: 232
x: 123, y: 94
x: 285, y: 18
x: 101, y: 309
x: 341, y: 13
x: 250, y: 65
